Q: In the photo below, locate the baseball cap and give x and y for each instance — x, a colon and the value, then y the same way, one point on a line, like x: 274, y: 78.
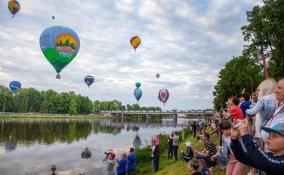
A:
x: 277, y: 128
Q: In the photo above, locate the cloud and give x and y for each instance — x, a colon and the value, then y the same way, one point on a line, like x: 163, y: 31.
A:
x: 187, y: 42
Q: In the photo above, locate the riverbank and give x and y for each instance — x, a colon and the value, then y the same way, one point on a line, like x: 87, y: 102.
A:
x: 171, y: 167
x: 71, y: 117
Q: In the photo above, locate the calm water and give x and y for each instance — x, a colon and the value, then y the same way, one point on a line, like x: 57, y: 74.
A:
x: 32, y: 146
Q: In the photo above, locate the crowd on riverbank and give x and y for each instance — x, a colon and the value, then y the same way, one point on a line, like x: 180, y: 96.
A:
x: 250, y: 134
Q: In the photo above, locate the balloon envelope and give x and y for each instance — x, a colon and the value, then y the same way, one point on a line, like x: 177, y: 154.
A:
x: 138, y: 84
x: 138, y: 94
x: 14, y: 85
x: 158, y: 75
x: 59, y: 45
x: 14, y: 7
x: 89, y: 80
x: 164, y: 95
x: 135, y: 42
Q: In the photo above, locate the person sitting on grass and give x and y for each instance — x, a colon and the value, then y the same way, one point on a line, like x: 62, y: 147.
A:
x: 189, y: 153
x: 203, y: 167
x: 208, y: 152
x: 193, y: 166
x: 271, y: 163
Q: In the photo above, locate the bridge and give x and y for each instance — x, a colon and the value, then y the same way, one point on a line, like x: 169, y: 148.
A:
x: 148, y: 113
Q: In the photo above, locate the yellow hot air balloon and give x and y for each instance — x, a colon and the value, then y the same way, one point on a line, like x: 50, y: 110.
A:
x: 135, y: 41
x: 14, y: 7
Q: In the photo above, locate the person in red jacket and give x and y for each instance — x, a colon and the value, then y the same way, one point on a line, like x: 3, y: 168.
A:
x: 235, y: 111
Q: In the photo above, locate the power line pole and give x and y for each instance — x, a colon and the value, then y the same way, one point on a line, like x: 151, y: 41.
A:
x: 263, y: 58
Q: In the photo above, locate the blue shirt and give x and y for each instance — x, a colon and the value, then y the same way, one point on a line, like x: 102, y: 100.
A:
x: 244, y: 106
x: 122, y: 166
x: 131, y: 161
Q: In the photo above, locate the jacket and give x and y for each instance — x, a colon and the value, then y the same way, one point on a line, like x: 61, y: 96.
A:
x: 256, y: 158
x: 265, y: 106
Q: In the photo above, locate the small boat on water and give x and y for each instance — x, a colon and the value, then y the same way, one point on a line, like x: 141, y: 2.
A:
x: 137, y: 142
x: 86, y: 153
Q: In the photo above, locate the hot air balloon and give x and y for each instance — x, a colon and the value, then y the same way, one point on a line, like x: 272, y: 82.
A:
x: 14, y: 7
x: 159, y: 98
x: 164, y: 95
x: 135, y: 41
x: 89, y: 80
x: 14, y: 85
x: 59, y: 45
x: 138, y: 84
x: 158, y: 75
x: 138, y: 94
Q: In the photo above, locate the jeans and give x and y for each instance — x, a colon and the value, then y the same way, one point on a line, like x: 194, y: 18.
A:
x: 130, y: 171
x: 155, y: 163
x: 175, y: 148
x: 209, y: 162
x: 170, y: 152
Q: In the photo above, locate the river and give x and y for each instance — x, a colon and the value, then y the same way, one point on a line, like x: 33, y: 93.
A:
x: 31, y: 147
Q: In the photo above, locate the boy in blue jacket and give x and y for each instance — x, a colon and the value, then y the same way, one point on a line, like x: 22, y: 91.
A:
x: 272, y: 163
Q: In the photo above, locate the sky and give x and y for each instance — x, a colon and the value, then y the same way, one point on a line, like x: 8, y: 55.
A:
x: 186, y: 41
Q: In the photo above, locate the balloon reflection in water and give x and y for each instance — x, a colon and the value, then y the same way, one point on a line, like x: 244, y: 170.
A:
x: 10, y: 145
x: 86, y: 154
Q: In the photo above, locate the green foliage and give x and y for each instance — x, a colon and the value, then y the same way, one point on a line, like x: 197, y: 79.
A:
x: 264, y: 33
x: 239, y: 73
x: 32, y: 100
x: 73, y: 107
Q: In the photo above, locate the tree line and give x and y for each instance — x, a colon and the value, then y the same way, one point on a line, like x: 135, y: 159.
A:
x: 31, y: 100
x: 263, y: 34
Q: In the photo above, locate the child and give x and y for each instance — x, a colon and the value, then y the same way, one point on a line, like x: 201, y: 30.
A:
x: 110, y: 156
x: 189, y: 153
x: 271, y: 163
x: 121, y: 165
x: 202, y: 167
x: 131, y: 162
x: 193, y: 167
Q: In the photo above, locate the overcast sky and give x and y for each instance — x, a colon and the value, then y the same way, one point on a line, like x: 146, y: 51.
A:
x: 186, y: 41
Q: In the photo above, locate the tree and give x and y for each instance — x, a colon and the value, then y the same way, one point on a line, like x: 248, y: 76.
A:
x: 239, y: 73
x: 73, y: 107
x: 264, y: 33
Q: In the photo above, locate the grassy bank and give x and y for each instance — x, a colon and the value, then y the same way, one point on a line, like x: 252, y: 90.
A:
x: 171, y: 167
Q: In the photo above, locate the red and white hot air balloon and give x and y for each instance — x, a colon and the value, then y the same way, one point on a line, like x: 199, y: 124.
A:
x: 164, y: 95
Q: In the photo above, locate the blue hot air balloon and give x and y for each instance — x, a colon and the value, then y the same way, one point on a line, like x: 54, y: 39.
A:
x: 138, y: 94
x: 89, y: 80
x: 14, y: 85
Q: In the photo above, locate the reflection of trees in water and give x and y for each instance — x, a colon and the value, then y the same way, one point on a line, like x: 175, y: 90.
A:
x: 50, y: 131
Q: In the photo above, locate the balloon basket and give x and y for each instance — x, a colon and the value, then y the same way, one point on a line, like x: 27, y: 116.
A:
x: 58, y: 76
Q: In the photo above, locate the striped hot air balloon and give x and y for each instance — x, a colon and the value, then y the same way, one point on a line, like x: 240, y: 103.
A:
x: 14, y: 7
x: 135, y: 41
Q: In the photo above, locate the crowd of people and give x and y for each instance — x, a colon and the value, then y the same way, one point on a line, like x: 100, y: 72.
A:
x: 251, y: 138
x: 125, y: 165
x: 251, y: 134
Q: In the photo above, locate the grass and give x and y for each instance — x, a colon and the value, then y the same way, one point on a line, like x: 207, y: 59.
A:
x: 171, y: 167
